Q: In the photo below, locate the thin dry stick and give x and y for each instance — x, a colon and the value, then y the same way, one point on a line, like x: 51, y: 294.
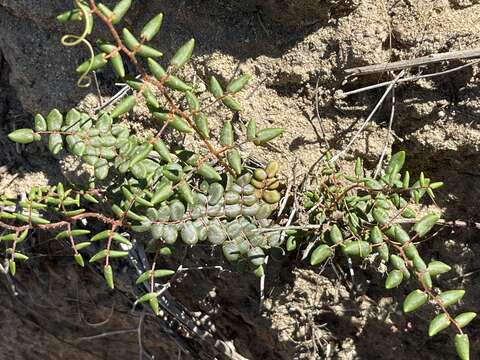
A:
x: 450, y: 223
x: 120, y: 94
x: 97, y: 85
x: 262, y: 287
x: 405, y: 64
x: 105, y: 334
x: 342, y: 95
x: 379, y: 103
x: 387, y: 139
x: 317, y: 112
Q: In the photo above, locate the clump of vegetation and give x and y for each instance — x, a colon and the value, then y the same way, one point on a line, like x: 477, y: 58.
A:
x: 209, y: 194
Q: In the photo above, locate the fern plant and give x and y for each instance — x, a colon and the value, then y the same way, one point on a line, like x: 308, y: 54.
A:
x: 147, y: 185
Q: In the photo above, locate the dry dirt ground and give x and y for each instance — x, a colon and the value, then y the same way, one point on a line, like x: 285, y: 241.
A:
x: 297, y: 51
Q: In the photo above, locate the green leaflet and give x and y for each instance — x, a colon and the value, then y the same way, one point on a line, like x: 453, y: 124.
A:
x: 134, y: 216
x: 103, y: 253
x: 251, y: 130
x: 154, y: 305
x: 130, y: 40
x: 409, y: 213
x: 79, y: 259
x: 141, y: 153
x: 401, y: 235
x: 427, y: 280
x: 189, y: 234
x: 163, y: 193
x: 54, y: 120
x: 394, y: 278
x: 264, y: 212
x: 174, y: 121
x: 232, y: 103
x: 183, y: 54
x: 9, y: 237
x: 336, y: 236
x: 19, y: 256
x: 32, y: 205
x: 40, y: 124
x: 256, y: 256
x: 70, y: 15
x: 108, y: 274
x: 170, y: 81
x: 185, y: 192
x: 259, y: 271
x: 373, y: 184
x: 226, y: 134
x: 215, y: 193
x: 148, y: 51
x: 436, y: 185
x: 357, y: 248
x: 414, y: 300
x: 425, y: 224
x: 418, y: 262
x: 73, y: 212
x: 439, y: 323
x: 201, y: 122
x: 101, y: 168
x: 165, y: 251
x: 99, y: 61
x: 115, y: 60
x: 465, y: 318
x: 13, y: 237
x: 162, y: 150
x: 358, y: 168
x: 73, y: 233
x: 260, y: 174
x: 320, y: 254
x: 173, y: 172
x: 380, y: 216
x: 101, y: 235
x: 34, y: 219
x: 105, y: 10
x: 208, y: 172
x: 376, y: 236
x: 406, y: 180
x: 238, y: 84
x: 22, y: 136
x: 451, y: 297
x: 437, y: 267
x: 90, y: 198
x: 462, y: 345
x: 266, y: 135
x: 12, y: 267
x: 152, y: 27
x: 82, y: 245
x: 124, y: 106
x: 235, y: 160
x: 395, y: 164
x: 271, y: 196
x: 156, y: 274
x: 215, y: 87
x: 291, y: 243
x: 120, y: 10
x: 193, y: 102
x: 147, y: 297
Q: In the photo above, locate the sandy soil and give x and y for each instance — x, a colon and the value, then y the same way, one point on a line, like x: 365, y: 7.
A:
x: 297, y: 56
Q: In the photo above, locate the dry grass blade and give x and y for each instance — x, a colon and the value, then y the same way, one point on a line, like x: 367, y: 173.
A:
x: 379, y: 103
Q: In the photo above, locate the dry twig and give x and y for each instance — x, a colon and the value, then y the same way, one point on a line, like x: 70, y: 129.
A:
x: 379, y: 103
x: 405, y: 64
